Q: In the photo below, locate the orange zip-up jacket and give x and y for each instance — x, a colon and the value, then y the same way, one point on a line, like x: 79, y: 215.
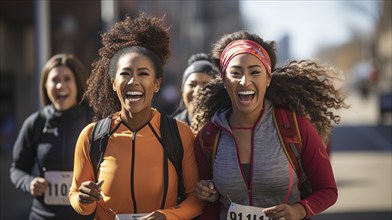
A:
x: 148, y: 186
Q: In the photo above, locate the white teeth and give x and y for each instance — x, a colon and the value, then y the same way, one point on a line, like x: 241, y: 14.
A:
x: 134, y: 93
x: 246, y: 93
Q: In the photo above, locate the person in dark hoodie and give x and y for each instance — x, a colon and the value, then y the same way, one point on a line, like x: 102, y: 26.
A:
x: 43, y: 153
x: 199, y: 72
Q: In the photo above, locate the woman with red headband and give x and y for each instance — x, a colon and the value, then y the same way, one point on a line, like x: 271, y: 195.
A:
x: 250, y: 176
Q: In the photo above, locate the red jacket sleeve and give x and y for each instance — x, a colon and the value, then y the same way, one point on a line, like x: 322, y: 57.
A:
x: 318, y: 169
x: 211, y: 211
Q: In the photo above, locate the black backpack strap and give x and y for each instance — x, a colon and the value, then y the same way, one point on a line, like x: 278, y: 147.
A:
x: 172, y: 144
x: 98, y: 142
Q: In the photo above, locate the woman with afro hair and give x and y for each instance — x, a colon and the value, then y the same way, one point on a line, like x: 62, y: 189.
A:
x: 251, y: 175
x: 130, y: 180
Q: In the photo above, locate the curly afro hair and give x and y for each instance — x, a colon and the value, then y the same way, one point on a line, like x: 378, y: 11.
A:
x: 144, y: 32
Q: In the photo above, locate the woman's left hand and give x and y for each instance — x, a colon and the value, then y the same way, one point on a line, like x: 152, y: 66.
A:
x: 155, y: 215
x: 205, y: 191
x: 286, y: 212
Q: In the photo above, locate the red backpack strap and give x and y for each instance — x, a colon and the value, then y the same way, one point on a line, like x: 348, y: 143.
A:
x: 290, y: 138
x: 209, y: 139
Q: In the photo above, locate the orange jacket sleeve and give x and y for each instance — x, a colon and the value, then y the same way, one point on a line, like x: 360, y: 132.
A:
x: 83, y: 171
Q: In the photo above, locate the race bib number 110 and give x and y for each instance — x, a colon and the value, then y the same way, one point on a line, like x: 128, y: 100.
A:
x: 242, y: 212
x: 57, y: 191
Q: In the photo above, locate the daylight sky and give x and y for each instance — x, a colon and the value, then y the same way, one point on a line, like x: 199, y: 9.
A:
x: 310, y: 24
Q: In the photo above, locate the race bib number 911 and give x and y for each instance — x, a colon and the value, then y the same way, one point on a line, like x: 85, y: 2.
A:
x: 57, y: 191
x: 242, y: 212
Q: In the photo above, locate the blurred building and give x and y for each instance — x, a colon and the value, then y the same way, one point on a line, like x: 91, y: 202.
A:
x: 74, y: 27
x: 366, y: 61
x: 283, y: 49
x: 383, y: 62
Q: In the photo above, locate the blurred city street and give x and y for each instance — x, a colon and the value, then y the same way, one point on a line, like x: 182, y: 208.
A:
x: 362, y: 162
x: 356, y: 40
x: 364, y: 184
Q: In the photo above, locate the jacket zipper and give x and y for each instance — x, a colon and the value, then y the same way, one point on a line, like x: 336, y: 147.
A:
x: 133, y: 173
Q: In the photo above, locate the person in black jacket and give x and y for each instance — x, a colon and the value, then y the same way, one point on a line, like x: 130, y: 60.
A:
x: 199, y: 72
x: 43, y: 153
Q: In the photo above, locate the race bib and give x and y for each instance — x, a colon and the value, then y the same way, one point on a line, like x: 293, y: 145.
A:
x: 57, y: 191
x: 242, y: 212
x: 129, y: 216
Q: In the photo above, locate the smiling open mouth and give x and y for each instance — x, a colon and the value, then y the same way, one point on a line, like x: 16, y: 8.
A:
x: 61, y: 97
x: 246, y: 96
x: 134, y: 96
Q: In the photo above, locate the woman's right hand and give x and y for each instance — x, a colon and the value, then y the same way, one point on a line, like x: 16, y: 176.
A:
x: 38, y: 186
x: 90, y: 192
x: 205, y: 191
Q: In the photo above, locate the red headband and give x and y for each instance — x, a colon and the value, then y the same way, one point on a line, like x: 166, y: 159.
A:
x: 244, y: 46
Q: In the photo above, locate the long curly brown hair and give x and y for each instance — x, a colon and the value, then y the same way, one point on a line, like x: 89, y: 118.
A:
x: 304, y: 87
x: 143, y: 31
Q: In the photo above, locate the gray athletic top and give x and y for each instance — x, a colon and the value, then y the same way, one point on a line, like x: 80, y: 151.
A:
x: 273, y: 180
